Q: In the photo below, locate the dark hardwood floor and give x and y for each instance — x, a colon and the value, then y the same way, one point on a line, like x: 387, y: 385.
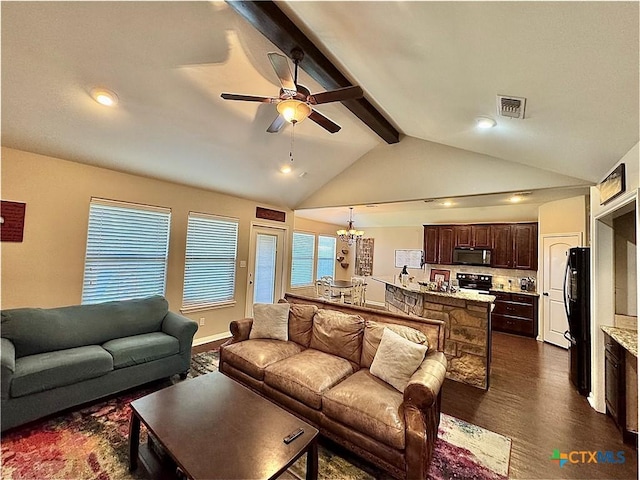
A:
x: 531, y: 401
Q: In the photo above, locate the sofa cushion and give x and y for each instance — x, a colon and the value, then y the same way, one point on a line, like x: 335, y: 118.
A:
x: 397, y: 359
x: 307, y: 376
x: 301, y: 323
x: 44, y: 371
x: 270, y: 321
x: 368, y: 405
x: 338, y: 333
x: 38, y: 330
x: 253, y: 356
x: 143, y: 348
x: 373, y: 334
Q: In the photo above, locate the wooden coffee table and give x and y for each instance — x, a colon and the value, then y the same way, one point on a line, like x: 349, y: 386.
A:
x: 213, y: 427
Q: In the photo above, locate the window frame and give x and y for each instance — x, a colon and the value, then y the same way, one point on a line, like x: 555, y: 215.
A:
x: 333, y: 257
x: 313, y: 258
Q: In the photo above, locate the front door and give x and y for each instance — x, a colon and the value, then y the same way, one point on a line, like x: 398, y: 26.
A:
x: 554, y: 317
x: 266, y: 266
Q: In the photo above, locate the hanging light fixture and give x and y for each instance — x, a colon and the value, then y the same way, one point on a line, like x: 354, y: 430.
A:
x: 294, y: 111
x: 350, y: 234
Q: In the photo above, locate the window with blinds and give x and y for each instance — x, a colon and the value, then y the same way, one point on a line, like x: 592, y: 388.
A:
x: 302, y: 259
x: 326, y: 256
x: 127, y: 248
x: 210, y: 266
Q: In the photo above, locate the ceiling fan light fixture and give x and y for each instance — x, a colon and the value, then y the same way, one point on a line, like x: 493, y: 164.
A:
x: 293, y: 111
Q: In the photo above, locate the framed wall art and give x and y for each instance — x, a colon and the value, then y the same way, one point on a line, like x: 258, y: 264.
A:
x: 613, y: 185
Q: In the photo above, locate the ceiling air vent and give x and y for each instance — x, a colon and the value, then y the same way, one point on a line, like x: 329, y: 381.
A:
x: 511, y: 107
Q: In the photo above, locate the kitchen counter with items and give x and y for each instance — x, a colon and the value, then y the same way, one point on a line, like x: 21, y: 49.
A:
x: 518, y: 291
x: 417, y: 287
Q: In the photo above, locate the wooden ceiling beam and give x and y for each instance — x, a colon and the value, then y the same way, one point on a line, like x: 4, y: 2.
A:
x: 269, y: 20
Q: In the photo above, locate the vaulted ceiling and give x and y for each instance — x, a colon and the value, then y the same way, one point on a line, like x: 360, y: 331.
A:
x: 431, y: 68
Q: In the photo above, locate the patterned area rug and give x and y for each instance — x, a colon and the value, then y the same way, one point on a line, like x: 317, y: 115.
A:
x: 92, y: 443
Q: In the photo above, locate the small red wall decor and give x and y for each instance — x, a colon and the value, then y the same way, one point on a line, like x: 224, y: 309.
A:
x: 12, y: 221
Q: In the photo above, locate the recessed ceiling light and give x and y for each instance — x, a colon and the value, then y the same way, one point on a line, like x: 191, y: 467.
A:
x: 485, y: 122
x: 285, y: 169
x: 448, y: 203
x: 104, y: 97
x: 515, y: 199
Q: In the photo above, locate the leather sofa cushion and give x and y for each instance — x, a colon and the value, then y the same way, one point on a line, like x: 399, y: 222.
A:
x: 373, y: 334
x: 39, y: 330
x: 253, y: 356
x: 338, y: 333
x: 308, y: 375
x: 45, y: 371
x: 301, y: 323
x: 139, y: 349
x: 368, y: 405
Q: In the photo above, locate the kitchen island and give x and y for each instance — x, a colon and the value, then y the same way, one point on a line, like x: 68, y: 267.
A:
x: 467, y: 316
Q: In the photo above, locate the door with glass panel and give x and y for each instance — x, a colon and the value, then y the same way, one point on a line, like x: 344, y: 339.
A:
x: 266, y: 266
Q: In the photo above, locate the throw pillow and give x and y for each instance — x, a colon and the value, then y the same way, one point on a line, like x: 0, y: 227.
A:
x: 397, y: 359
x: 373, y: 334
x: 270, y: 320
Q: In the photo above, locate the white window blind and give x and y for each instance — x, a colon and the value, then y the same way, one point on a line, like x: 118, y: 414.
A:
x: 127, y: 249
x: 210, y: 266
x: 302, y: 259
x: 326, y: 256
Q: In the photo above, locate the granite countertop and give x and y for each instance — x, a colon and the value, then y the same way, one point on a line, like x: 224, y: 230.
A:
x: 519, y: 292
x: 415, y: 287
x: 625, y: 337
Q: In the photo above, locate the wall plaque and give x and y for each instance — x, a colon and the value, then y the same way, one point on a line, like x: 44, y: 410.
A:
x: 613, y: 185
x: 11, y: 221
x: 268, y: 214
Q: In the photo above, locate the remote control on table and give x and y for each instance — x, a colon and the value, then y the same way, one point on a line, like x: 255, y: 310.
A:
x: 293, y: 435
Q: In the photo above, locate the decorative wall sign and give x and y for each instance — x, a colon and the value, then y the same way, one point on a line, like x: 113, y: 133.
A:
x: 613, y: 185
x: 364, y: 257
x: 268, y: 214
x: 12, y: 221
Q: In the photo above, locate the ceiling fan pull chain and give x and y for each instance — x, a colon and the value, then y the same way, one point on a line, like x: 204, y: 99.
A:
x: 293, y: 127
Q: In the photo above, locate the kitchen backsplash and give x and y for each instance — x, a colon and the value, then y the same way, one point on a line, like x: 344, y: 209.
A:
x: 501, y: 276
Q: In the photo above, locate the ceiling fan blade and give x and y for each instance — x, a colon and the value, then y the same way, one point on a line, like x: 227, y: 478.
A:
x: 338, y: 95
x: 249, y: 98
x: 277, y: 124
x: 324, y: 122
x: 280, y: 64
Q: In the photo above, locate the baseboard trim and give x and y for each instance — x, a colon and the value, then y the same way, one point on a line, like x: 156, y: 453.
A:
x: 211, y: 338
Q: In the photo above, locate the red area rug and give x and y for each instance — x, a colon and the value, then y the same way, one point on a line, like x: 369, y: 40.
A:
x: 92, y: 443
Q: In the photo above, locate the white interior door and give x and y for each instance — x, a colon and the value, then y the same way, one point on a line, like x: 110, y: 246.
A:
x: 266, y: 266
x: 554, y: 260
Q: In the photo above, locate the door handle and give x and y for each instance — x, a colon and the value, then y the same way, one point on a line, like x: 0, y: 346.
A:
x: 546, y: 294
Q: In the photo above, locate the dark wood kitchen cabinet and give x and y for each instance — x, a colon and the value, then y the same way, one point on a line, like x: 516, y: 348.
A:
x: 439, y: 241
x: 514, y: 245
x: 515, y: 313
x: 614, y: 381
x: 501, y: 246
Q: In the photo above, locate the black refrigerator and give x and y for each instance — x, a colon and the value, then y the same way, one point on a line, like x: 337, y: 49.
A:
x: 577, y: 306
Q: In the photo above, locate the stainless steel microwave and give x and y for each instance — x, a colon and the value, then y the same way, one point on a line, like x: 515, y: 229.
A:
x: 472, y: 256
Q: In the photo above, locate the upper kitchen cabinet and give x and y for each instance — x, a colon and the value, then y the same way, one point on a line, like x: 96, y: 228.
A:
x: 525, y: 246
x: 515, y: 245
x: 439, y: 241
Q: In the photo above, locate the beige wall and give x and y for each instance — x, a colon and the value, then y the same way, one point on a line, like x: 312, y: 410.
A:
x: 569, y: 215
x: 386, y: 241
x: 46, y: 269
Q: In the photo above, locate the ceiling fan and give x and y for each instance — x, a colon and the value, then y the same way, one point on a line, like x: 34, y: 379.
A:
x: 295, y: 102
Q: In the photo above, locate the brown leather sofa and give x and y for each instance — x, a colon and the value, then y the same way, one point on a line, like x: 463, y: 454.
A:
x: 323, y: 376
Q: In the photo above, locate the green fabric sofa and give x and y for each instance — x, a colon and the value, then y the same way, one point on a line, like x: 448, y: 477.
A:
x: 53, y: 359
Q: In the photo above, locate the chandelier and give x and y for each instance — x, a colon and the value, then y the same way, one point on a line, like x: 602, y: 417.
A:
x: 350, y: 234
